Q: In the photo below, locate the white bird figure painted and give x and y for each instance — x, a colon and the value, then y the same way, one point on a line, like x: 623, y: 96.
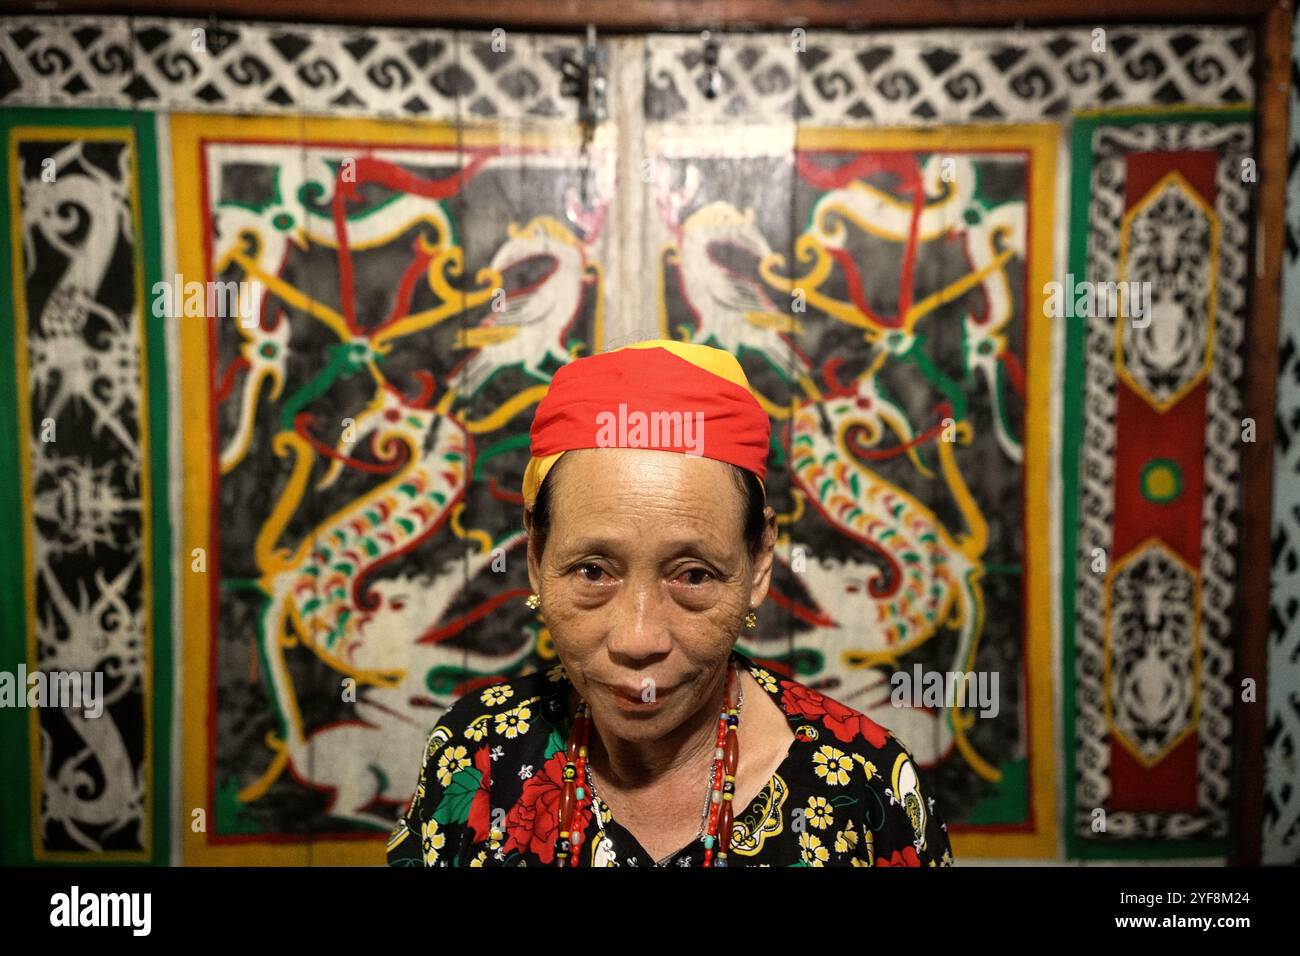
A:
x: 528, y: 327
x: 733, y: 308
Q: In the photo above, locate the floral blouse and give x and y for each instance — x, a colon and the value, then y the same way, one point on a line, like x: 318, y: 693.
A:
x: 846, y: 794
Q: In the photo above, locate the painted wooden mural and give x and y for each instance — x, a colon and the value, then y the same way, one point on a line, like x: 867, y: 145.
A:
x: 289, y: 533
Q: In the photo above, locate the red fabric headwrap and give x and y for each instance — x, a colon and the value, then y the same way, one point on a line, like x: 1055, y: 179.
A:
x: 582, y: 407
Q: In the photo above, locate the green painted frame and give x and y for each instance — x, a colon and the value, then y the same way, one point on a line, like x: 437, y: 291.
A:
x: 1081, y: 132
x: 16, y: 810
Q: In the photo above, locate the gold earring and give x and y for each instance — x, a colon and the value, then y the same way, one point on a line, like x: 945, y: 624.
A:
x: 533, y: 601
x: 751, y: 620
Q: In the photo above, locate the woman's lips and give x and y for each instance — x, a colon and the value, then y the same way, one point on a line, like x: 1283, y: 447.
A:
x: 633, y: 699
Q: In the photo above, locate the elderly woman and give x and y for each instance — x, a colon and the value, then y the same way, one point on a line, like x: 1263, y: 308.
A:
x: 654, y: 742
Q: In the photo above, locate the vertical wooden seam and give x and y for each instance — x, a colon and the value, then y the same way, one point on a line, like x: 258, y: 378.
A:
x: 1260, y: 394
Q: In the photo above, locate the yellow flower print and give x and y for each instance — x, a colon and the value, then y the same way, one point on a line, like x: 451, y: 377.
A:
x: 514, y: 721
x: 556, y: 673
x: 832, y: 765
x: 868, y: 767
x: 431, y: 841
x: 478, y: 728
x: 453, y: 760
x: 846, y: 839
x: 496, y: 695
x: 764, y: 678
x: 856, y: 862
x: 814, y: 853
x: 478, y: 860
x: 819, y: 813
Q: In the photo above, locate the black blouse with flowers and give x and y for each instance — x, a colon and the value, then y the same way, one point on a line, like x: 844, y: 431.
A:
x: 846, y: 794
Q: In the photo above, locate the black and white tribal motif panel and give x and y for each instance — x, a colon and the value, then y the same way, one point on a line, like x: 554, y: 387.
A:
x: 81, y: 329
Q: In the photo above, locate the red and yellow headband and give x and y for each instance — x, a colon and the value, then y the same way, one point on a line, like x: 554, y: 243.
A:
x: 592, y: 400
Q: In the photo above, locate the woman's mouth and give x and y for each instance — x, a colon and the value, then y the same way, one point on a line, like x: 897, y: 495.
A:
x: 641, y: 698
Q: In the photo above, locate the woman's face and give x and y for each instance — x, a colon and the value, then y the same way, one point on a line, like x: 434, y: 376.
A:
x: 645, y: 581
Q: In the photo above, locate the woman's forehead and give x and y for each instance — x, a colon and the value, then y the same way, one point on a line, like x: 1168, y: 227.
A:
x: 618, y: 486
x: 633, y: 472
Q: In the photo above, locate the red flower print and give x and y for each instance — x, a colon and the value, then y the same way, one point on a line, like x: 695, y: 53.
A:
x: 844, y: 722
x: 904, y: 857
x: 802, y: 700
x: 531, y: 822
x: 479, y: 819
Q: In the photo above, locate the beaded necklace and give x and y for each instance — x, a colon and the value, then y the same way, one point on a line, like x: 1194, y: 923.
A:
x: 718, y: 802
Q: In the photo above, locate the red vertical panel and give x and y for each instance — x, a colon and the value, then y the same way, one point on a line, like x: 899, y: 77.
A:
x: 1144, y: 435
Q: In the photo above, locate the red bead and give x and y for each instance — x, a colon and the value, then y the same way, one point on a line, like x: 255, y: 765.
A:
x: 724, y: 825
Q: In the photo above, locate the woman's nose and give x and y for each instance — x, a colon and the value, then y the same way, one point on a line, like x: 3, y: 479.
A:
x: 639, y: 628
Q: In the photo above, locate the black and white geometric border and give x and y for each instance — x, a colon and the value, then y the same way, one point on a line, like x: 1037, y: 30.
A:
x: 915, y: 78
x: 1281, y: 825
x: 903, y: 78
x: 171, y: 65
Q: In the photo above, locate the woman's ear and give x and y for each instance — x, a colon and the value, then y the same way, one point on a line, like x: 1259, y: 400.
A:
x: 534, y: 559
x: 762, y: 580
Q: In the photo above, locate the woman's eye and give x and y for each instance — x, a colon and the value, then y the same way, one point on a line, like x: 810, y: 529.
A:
x: 583, y: 569
x: 704, y: 576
